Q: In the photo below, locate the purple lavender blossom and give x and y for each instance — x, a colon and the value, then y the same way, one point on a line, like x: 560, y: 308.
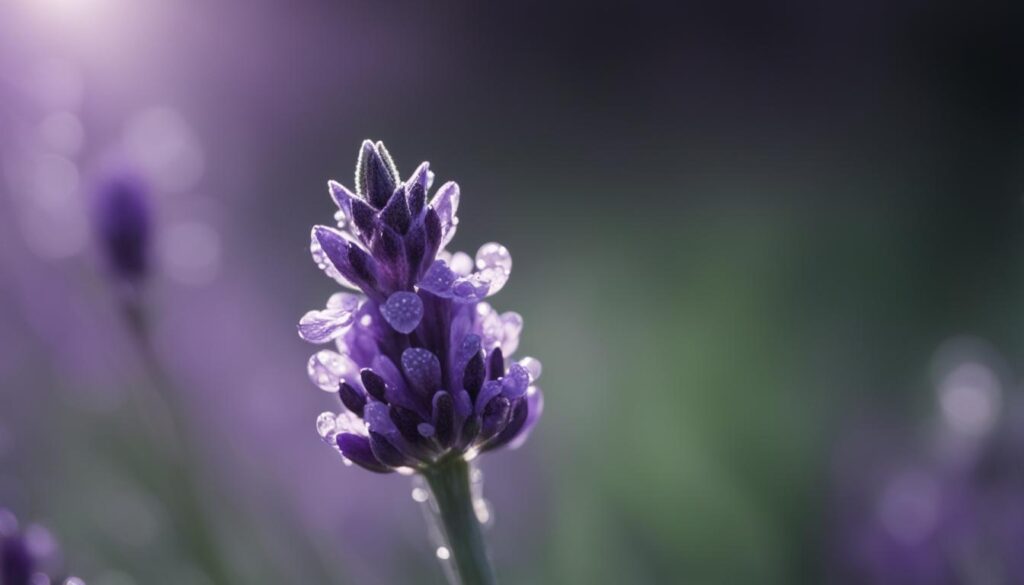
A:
x: 25, y: 555
x: 423, y: 365
x: 124, y: 225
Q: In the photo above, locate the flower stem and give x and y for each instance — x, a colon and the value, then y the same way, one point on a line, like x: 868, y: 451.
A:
x: 450, y: 486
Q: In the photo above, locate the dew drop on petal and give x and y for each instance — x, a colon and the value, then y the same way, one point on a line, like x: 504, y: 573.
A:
x: 325, y: 426
x: 420, y: 495
x: 443, y: 553
x: 512, y: 326
x: 344, y: 301
x: 495, y: 265
x: 326, y: 368
x: 403, y: 311
x: 533, y: 367
x: 461, y: 263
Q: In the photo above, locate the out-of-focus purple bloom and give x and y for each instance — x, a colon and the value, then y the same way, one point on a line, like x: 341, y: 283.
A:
x: 124, y: 225
x: 422, y: 366
x: 25, y: 556
x: 925, y: 518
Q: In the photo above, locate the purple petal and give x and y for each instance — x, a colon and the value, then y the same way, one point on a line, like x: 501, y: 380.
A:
x: 356, y: 448
x: 495, y: 417
x: 342, y: 197
x: 407, y: 422
x: 374, y: 384
x: 474, y: 373
x: 387, y: 248
x: 490, y: 390
x: 515, y: 382
x: 386, y: 452
x: 324, y: 326
x: 434, y: 231
x: 446, y: 203
x: 364, y: 267
x: 415, y: 249
x: 330, y: 323
x: 378, y: 419
x: 396, y: 212
x: 364, y: 217
x: 535, y: 407
x: 324, y: 263
x: 387, y: 369
x: 516, y: 422
x: 468, y: 348
x: 403, y: 311
x: 495, y: 364
x: 374, y: 178
x: 438, y: 279
x: 422, y: 369
x: 463, y: 404
x: 353, y: 399
x: 422, y: 176
x: 348, y: 259
x: 415, y: 198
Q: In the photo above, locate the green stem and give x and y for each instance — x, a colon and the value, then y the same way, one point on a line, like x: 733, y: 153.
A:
x: 450, y: 486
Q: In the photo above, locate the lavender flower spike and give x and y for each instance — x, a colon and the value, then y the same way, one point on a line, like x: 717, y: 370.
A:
x: 26, y: 556
x: 423, y: 365
x: 124, y: 226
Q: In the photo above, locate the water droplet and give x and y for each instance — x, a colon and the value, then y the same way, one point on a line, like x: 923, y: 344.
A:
x: 403, y: 311
x: 443, y: 553
x: 461, y: 264
x: 482, y: 508
x: 533, y: 367
x: 326, y: 369
x: 325, y: 426
x: 420, y: 495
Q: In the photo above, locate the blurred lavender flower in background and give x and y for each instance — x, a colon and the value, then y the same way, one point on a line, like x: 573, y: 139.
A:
x: 421, y: 366
x: 948, y: 510
x: 124, y: 226
x: 29, y: 556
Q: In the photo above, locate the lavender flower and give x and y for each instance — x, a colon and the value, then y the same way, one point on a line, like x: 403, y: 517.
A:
x: 423, y: 365
x: 25, y: 556
x: 124, y: 226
